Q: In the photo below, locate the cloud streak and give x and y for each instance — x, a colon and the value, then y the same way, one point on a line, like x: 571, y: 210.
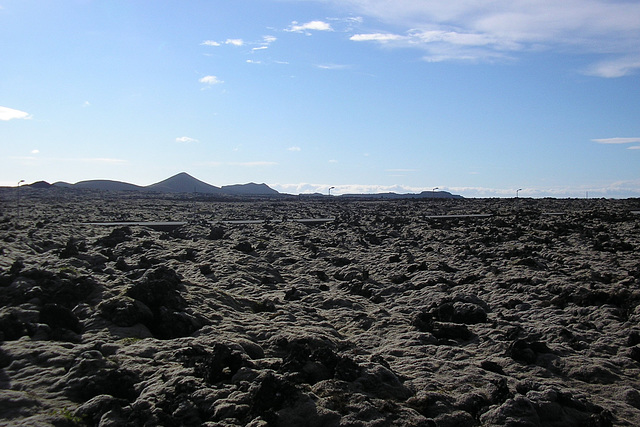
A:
x: 210, y: 80
x: 296, y: 27
x: 186, y: 139
x: 7, y: 114
x: 460, y: 29
x: 617, y: 140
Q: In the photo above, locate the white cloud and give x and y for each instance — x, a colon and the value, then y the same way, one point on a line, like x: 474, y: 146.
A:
x: 36, y: 151
x: 294, y: 149
x: 473, y: 30
x: 338, y: 189
x: 614, y: 189
x: 234, y: 42
x: 635, y: 147
x: 251, y: 61
x: 312, y: 25
x: 7, y: 114
x: 269, y: 39
x: 618, y: 67
x: 210, y: 80
x: 210, y: 43
x: 617, y: 140
x: 186, y: 139
x: 332, y: 66
x: 259, y: 48
x: 86, y: 104
x: 377, y: 37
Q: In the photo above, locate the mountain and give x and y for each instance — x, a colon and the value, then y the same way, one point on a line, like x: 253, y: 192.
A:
x: 183, y: 183
x: 180, y: 183
x: 40, y: 184
x: 250, y: 189
x: 105, y: 184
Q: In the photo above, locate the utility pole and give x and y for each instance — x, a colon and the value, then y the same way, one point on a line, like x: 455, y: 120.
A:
x: 18, y: 205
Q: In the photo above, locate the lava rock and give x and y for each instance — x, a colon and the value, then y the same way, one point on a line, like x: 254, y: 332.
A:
x: 125, y: 311
x: 527, y: 351
x: 57, y: 316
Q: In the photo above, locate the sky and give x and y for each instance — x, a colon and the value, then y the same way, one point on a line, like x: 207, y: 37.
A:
x: 478, y: 98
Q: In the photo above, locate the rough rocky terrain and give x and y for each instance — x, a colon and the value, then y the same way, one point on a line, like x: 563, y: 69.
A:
x: 386, y: 316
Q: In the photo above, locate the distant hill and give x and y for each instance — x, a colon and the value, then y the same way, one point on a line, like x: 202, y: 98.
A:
x: 250, y: 188
x: 40, y: 184
x: 180, y: 183
x: 183, y: 183
x: 105, y: 184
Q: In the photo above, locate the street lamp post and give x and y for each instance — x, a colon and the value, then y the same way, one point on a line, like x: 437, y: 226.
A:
x: 433, y: 192
x: 518, y: 191
x: 18, y: 204
x: 331, y: 188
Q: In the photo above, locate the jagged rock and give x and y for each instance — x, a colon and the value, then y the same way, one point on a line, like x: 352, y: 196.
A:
x: 517, y: 411
x: 527, y: 351
x: 125, y: 311
x: 117, y: 236
x: 244, y: 247
x: 216, y: 233
x: 213, y: 366
x: 92, y: 375
x: 57, y: 316
x: 11, y: 327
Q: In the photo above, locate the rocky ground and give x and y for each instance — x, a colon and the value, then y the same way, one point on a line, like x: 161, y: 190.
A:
x: 385, y: 316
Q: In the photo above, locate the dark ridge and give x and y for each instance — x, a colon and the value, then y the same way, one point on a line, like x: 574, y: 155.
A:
x: 183, y: 183
x: 250, y: 188
x: 40, y: 184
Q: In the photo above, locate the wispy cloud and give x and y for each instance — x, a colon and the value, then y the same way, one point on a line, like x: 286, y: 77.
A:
x: 309, y: 26
x: 332, y: 66
x: 294, y: 148
x: 635, y: 147
x: 234, y: 42
x: 210, y: 80
x: 210, y: 43
x: 617, y: 67
x: 377, y: 37
x: 338, y: 189
x: 186, y: 139
x: 400, y: 170
x: 36, y: 151
x: 269, y: 39
x: 7, y: 114
x: 461, y: 29
x: 617, y: 140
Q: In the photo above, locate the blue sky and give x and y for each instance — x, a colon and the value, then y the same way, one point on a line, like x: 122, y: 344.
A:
x: 476, y: 98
